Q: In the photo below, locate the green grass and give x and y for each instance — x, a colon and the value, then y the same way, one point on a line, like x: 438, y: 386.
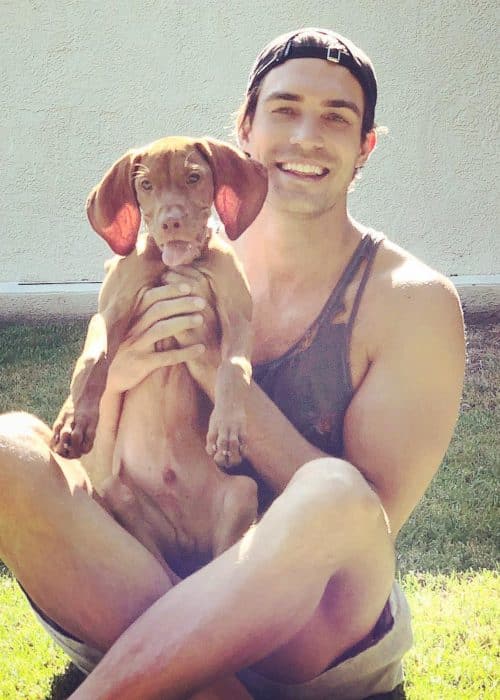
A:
x: 447, y: 552
x: 31, y: 665
x: 455, y: 624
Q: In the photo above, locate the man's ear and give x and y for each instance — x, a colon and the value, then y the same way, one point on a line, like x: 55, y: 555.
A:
x: 368, y: 145
x: 244, y: 134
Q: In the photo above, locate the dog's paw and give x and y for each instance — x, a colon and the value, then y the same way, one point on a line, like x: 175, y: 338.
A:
x: 73, y: 435
x: 226, y: 439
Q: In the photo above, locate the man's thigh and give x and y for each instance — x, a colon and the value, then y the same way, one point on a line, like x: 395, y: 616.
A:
x: 81, y: 568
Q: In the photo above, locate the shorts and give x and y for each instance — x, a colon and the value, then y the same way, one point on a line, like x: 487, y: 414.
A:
x: 84, y: 657
x: 376, y: 669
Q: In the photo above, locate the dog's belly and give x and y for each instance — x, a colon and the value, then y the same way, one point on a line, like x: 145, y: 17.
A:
x: 160, y: 450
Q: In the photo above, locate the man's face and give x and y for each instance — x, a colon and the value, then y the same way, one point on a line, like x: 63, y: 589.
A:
x: 307, y: 131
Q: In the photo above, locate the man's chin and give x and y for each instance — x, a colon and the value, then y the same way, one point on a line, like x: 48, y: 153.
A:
x: 303, y: 206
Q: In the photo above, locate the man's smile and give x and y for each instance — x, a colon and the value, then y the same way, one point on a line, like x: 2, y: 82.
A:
x: 303, y: 170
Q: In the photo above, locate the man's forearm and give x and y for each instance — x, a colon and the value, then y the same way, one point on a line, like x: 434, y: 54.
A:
x: 274, y: 446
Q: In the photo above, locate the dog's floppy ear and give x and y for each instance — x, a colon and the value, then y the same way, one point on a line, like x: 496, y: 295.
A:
x: 112, y: 206
x: 240, y: 185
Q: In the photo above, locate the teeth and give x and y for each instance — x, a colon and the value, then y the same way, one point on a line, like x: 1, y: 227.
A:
x: 303, y: 168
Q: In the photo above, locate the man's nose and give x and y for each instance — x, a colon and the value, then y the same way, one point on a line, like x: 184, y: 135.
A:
x: 173, y: 218
x: 307, y: 133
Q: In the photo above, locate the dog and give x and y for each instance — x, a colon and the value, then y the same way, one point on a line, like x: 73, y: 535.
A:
x: 169, y: 441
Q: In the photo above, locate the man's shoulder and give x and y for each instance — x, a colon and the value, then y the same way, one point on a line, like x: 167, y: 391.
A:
x: 407, y: 294
x: 406, y: 280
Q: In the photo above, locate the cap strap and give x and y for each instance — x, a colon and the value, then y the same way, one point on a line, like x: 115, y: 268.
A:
x: 334, y: 54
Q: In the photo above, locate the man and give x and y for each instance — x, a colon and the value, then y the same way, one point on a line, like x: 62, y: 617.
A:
x: 359, y: 354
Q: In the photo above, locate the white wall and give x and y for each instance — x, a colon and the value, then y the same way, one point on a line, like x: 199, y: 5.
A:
x: 82, y: 81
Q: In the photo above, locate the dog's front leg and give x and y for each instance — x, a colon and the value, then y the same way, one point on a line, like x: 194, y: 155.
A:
x: 226, y: 434
x: 75, y: 427
x: 227, y: 426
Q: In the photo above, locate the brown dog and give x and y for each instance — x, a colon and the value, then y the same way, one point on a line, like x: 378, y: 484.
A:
x: 158, y: 458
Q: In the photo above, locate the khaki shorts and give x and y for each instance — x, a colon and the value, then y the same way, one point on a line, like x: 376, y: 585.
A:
x: 377, y: 669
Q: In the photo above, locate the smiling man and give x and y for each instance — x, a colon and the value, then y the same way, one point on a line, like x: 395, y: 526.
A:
x: 358, y: 365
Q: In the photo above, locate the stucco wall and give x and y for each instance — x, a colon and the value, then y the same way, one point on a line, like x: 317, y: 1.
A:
x: 84, y: 80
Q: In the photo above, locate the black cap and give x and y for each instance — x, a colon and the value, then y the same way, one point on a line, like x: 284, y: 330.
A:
x: 311, y: 42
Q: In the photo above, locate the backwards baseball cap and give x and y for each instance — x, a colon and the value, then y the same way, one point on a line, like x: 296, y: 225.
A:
x: 311, y: 42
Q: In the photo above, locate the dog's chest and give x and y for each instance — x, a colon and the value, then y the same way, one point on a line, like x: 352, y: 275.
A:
x: 160, y: 444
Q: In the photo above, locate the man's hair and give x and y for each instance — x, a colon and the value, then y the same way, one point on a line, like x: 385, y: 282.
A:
x: 314, y: 43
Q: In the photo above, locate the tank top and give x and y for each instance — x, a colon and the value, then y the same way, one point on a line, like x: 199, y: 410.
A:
x: 311, y: 383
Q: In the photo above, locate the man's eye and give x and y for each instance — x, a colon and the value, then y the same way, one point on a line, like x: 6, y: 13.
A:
x: 192, y: 178
x: 283, y: 110
x: 146, y: 185
x: 334, y: 117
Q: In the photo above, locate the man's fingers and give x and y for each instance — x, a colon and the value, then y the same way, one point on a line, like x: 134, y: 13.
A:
x: 166, y: 291
x: 175, y: 356
x: 184, y: 275
x: 167, y: 328
x: 165, y: 310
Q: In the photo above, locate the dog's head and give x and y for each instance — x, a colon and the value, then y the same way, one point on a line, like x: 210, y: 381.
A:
x: 173, y: 183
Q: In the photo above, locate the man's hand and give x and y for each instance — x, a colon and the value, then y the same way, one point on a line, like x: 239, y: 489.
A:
x: 165, y: 314
x: 203, y: 366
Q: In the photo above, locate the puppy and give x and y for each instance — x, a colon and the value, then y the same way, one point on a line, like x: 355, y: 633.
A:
x: 171, y: 185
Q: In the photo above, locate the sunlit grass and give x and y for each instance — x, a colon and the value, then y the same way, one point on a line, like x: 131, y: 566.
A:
x: 457, y: 641
x: 29, y: 660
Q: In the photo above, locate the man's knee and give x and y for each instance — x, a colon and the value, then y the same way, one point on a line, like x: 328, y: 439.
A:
x: 329, y: 481
x: 22, y: 438
x: 328, y: 500
x: 28, y: 469
x: 22, y: 432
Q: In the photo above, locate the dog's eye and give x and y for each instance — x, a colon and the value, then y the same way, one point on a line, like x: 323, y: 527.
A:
x: 192, y: 178
x: 146, y: 185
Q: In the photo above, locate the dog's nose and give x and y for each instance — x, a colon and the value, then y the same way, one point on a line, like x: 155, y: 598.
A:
x: 171, y: 223
x: 173, y: 219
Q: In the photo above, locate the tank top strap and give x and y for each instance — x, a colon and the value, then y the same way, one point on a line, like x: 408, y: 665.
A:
x: 336, y: 302
x: 373, y: 240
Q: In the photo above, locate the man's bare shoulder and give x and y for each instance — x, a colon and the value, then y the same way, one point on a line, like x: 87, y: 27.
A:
x: 401, y: 418
x: 406, y: 297
x: 406, y: 285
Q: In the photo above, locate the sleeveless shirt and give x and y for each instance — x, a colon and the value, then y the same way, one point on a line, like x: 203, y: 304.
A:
x: 311, y: 383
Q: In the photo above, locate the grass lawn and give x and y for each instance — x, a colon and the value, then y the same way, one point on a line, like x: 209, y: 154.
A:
x: 447, y: 552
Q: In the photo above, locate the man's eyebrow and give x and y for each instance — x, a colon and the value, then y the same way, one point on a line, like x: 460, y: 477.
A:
x: 289, y: 96
x: 334, y: 104
x: 342, y: 104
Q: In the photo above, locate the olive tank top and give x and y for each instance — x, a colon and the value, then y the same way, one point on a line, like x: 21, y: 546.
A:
x: 311, y: 383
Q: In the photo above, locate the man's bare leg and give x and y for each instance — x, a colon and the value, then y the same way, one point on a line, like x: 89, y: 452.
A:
x: 78, y: 565
x: 320, y: 562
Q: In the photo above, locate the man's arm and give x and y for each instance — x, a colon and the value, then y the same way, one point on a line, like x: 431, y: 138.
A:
x: 274, y: 446
x: 400, y: 421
